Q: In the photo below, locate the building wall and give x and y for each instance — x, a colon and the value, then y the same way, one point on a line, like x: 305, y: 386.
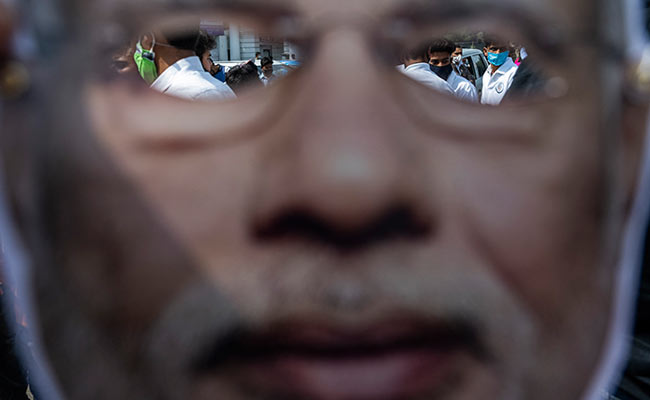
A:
x: 249, y: 44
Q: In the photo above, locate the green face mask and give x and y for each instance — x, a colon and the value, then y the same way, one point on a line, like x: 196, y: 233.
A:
x: 144, y: 62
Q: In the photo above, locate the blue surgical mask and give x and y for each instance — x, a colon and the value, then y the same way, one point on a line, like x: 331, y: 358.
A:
x: 442, y: 72
x: 498, y: 59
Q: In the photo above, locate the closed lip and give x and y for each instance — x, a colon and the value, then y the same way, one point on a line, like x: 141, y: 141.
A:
x: 390, y: 359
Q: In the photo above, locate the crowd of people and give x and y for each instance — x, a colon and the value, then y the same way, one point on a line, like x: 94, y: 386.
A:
x: 182, y: 65
x: 440, y: 65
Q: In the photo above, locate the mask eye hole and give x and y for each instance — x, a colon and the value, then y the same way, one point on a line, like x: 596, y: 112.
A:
x: 481, y: 68
x: 228, y: 56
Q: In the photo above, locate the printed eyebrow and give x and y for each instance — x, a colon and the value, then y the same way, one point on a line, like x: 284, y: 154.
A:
x: 535, y: 24
x: 272, y: 7
x: 129, y: 9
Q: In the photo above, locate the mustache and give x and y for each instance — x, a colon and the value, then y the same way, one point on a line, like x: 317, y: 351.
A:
x: 202, y: 329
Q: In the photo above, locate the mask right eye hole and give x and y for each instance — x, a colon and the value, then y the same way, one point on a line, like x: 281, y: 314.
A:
x: 482, y: 68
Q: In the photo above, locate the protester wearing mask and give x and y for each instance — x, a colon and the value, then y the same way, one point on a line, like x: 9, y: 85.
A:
x: 416, y: 67
x: 459, y: 67
x: 267, y: 76
x: 205, y: 44
x: 498, y: 77
x: 171, y: 66
x: 440, y: 54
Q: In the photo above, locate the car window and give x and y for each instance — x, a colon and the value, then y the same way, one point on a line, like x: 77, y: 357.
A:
x: 480, y: 64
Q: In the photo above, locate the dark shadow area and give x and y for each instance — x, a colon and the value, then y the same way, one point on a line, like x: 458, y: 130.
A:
x: 13, y: 377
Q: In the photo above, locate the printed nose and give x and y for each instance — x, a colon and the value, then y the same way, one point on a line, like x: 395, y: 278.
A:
x: 341, y: 169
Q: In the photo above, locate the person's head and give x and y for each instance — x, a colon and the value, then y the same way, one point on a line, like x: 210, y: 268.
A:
x: 258, y: 55
x: 205, y: 44
x: 458, y: 52
x: 159, y: 49
x: 440, y: 52
x: 243, y: 77
x: 267, y: 66
x: 415, y: 54
x: 347, y: 233
x: 496, y: 51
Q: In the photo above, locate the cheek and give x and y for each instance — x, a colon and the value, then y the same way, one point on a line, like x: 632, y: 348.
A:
x: 536, y: 217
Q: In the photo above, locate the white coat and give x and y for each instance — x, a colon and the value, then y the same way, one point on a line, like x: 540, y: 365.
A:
x: 496, y: 86
x: 187, y: 79
x: 421, y: 72
x: 463, y: 89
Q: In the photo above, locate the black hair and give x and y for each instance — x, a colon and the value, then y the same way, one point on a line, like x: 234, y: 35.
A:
x: 266, y: 61
x: 419, y: 52
x: 242, y: 77
x: 205, y: 43
x: 495, y: 41
x: 186, y: 38
x: 442, y: 46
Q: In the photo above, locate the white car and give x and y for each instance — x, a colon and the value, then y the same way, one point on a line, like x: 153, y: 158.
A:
x: 475, y: 60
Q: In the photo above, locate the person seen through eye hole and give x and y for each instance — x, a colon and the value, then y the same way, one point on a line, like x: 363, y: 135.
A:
x: 440, y: 59
x: 459, y: 66
x: 500, y: 72
x: 349, y: 235
x: 243, y: 77
x: 417, y: 67
x: 177, y: 70
x: 267, y: 76
x: 205, y: 44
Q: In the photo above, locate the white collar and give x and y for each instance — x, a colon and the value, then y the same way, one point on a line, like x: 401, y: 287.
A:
x: 419, y: 66
x: 505, y: 68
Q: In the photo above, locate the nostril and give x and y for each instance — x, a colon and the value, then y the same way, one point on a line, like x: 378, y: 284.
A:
x: 397, y: 223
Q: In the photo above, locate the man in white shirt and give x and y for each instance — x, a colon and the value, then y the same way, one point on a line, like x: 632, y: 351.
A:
x: 180, y: 71
x: 440, y: 54
x: 416, y: 67
x: 267, y: 76
x: 499, y: 75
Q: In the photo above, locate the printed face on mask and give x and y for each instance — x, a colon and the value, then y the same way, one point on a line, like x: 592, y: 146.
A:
x: 346, y: 232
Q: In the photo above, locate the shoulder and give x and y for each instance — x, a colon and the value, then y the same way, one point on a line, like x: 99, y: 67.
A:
x: 218, y: 92
x: 199, y: 85
x: 462, y: 82
x: 511, y: 67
